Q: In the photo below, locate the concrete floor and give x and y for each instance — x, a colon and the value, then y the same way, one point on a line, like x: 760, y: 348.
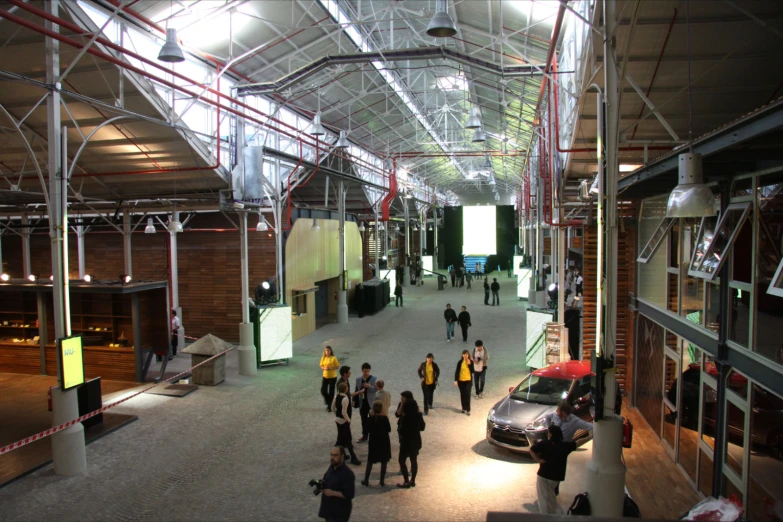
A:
x: 245, y: 450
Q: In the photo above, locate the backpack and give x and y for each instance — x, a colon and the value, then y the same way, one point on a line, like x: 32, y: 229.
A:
x: 580, y: 505
x: 630, y: 509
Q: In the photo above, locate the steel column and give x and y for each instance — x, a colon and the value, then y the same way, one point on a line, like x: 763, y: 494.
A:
x: 174, y: 265
x: 342, y: 305
x: 80, y: 251
x: 126, y: 243
x: 68, y: 450
x: 26, y: 267
x: 435, y: 238
x: 377, y: 245
x: 248, y: 363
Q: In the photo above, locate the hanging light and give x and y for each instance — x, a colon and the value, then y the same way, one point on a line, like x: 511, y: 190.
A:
x: 174, y: 223
x: 261, y: 226
x: 430, y: 228
x: 479, y: 136
x: 497, y: 196
x: 87, y: 278
x: 474, y: 122
x: 487, y: 164
x: 315, y: 227
x: 32, y: 278
x: 441, y: 25
x: 342, y: 141
x: 381, y: 226
x: 416, y: 227
x: 171, y: 52
x: 408, y: 194
x: 691, y: 197
x: 318, y: 129
x: 125, y: 279
x: 361, y: 227
x: 150, y: 228
x: 398, y: 229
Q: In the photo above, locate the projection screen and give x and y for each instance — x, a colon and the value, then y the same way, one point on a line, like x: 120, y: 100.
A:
x: 479, y: 231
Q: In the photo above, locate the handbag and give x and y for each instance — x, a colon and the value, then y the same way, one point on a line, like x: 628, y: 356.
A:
x: 356, y: 402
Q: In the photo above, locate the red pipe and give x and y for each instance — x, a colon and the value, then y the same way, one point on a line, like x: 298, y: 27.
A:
x: 655, y: 73
x: 287, y: 224
x: 392, y: 192
x: 551, y: 52
x: 68, y: 25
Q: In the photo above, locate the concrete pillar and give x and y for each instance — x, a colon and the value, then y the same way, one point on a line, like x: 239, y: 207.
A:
x: 248, y: 363
x: 605, y: 471
x: 68, y: 450
x: 342, y: 304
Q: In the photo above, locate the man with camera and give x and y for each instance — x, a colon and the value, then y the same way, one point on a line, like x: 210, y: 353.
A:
x: 337, y: 487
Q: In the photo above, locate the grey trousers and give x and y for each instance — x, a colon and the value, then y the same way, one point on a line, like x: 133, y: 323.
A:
x: 547, y: 501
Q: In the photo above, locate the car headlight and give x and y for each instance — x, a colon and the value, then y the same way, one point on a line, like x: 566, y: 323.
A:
x: 537, y: 425
x: 491, y: 416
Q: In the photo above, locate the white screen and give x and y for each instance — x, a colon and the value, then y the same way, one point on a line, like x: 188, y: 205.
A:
x: 479, y: 231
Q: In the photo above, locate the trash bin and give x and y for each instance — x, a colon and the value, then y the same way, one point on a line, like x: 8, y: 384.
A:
x: 441, y: 282
x: 213, y: 372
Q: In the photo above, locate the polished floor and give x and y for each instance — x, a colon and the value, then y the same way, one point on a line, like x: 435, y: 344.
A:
x: 245, y: 450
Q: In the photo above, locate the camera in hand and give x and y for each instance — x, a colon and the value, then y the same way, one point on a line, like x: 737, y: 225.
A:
x: 317, y: 484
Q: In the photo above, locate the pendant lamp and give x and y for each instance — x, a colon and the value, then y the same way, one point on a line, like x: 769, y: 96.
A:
x: 441, y: 25
x: 691, y: 197
x: 171, y: 51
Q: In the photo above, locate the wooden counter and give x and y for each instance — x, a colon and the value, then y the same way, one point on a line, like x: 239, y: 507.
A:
x: 107, y: 362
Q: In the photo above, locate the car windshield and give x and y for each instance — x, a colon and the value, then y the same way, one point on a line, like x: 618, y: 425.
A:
x: 542, y: 390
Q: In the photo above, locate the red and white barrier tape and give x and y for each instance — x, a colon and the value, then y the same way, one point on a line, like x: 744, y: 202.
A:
x: 55, y: 429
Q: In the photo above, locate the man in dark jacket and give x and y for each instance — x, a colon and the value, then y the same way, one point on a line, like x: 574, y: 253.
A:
x: 398, y: 294
x: 486, y: 292
x: 428, y: 373
x: 464, y: 323
x: 552, y: 455
x: 338, y: 489
x: 495, y: 287
x: 451, y: 317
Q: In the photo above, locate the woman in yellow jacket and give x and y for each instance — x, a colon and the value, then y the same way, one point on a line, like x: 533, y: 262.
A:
x: 329, y: 364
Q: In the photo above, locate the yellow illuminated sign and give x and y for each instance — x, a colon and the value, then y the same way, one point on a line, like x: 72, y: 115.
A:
x: 71, y: 362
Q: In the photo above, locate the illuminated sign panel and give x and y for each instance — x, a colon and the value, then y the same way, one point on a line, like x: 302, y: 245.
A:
x: 71, y: 362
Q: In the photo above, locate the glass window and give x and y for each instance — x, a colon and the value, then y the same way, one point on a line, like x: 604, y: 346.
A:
x: 741, y: 264
x: 650, y: 373
x: 656, y: 240
x: 673, y: 300
x: 735, y: 435
x: 669, y: 425
x: 709, y: 400
x: 652, y: 272
x: 726, y: 233
x: 701, y: 237
x: 712, y: 313
x: 765, y: 489
x: 740, y: 316
x: 692, y: 299
x: 731, y: 491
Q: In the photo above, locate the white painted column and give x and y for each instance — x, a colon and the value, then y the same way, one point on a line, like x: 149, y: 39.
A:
x: 126, y: 243
x: 68, y: 450
x: 175, y: 280
x: 248, y: 362
x: 342, y: 303
x: 80, y: 231
x: 26, y: 266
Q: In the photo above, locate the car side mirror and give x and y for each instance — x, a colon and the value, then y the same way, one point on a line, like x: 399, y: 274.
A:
x: 510, y: 389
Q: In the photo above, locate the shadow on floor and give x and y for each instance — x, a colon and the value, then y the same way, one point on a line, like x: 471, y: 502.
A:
x: 485, y: 449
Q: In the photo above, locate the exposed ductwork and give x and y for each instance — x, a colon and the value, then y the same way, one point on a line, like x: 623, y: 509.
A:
x: 421, y: 53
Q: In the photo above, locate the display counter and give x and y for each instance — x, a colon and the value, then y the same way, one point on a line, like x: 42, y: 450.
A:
x: 119, y: 323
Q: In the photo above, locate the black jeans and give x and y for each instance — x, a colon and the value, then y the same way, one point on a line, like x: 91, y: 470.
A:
x: 464, y: 394
x: 486, y: 297
x: 478, y: 379
x: 327, y: 389
x: 429, y: 392
x: 344, y: 438
x: 405, y: 454
x: 495, y: 299
x: 398, y: 301
x: 364, y: 413
x: 368, y: 470
x: 174, y: 342
x: 464, y: 331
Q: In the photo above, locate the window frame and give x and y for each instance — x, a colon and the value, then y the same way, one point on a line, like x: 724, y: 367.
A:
x: 698, y: 271
x: 656, y: 240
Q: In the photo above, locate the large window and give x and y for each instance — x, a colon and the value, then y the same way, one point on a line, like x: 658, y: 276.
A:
x: 720, y: 247
x: 653, y: 261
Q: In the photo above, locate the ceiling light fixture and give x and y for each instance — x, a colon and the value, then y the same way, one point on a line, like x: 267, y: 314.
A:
x: 318, y: 129
x: 479, y: 136
x: 150, y: 228
x: 474, y: 122
x: 361, y: 227
x: 171, y: 51
x: 691, y: 197
x: 487, y: 164
x: 315, y: 227
x: 174, y: 224
x: 342, y: 141
x: 261, y: 226
x: 441, y: 25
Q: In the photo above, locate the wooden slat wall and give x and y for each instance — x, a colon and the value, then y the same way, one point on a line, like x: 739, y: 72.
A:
x: 626, y: 270
x: 20, y: 358
x: 312, y: 257
x: 209, y: 277
x: 107, y: 362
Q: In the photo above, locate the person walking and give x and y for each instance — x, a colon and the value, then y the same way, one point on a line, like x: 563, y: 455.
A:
x: 469, y: 279
x: 480, y: 358
x: 410, y: 424
x: 428, y: 373
x: 478, y: 268
x: 176, y: 324
x: 552, y: 456
x: 342, y: 412
x: 451, y: 317
x: 380, y: 446
x: 464, y: 323
x: 495, y: 287
x: 453, y: 274
x: 382, y: 396
x: 463, y: 378
x: 486, y: 291
x: 329, y: 365
x: 339, y: 487
x: 398, y: 294
x: 365, y: 386
x: 579, y: 284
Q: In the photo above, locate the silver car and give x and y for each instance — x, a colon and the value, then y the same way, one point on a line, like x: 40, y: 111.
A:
x: 516, y: 422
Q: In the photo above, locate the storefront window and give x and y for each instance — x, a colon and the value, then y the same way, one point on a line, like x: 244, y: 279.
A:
x: 765, y: 488
x: 650, y: 372
x: 692, y: 299
x: 739, y: 326
x: 735, y: 431
x: 705, y: 475
x: 709, y: 401
x: 689, y: 411
x: 769, y: 307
